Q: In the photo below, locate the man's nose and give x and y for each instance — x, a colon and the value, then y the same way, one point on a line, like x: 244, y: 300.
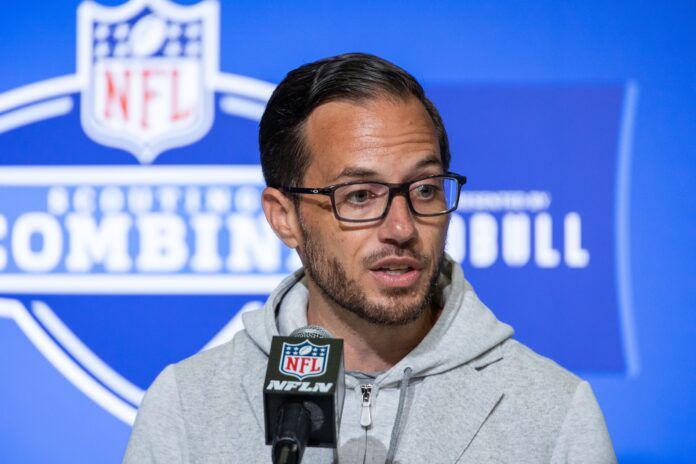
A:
x: 398, y: 227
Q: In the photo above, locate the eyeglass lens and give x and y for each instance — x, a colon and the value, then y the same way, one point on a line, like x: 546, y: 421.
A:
x: 367, y: 200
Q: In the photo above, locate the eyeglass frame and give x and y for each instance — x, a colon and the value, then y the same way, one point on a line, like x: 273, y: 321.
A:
x: 394, y: 189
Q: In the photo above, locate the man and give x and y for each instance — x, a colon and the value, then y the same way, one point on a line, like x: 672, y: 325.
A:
x: 356, y: 160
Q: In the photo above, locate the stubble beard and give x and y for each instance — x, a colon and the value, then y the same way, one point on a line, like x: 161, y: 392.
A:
x: 332, y: 279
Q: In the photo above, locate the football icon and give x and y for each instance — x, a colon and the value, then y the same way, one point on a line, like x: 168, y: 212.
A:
x: 305, y: 350
x: 148, y: 35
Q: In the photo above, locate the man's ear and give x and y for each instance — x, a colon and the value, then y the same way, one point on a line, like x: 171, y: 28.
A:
x: 281, y: 215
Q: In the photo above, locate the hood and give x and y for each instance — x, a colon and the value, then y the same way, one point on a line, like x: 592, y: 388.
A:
x: 465, y: 330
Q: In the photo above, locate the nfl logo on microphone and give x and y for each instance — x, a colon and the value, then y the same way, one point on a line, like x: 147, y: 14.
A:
x: 303, y: 360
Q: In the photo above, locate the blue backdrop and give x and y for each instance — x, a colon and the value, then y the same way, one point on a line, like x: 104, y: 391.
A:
x: 592, y: 105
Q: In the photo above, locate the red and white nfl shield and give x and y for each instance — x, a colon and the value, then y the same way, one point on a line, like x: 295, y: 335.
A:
x: 303, y: 360
x: 148, y: 70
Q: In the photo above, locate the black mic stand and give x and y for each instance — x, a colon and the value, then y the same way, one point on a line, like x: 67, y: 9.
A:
x: 291, y: 434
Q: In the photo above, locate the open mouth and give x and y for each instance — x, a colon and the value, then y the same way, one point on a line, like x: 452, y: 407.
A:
x: 396, y: 271
x: 393, y: 278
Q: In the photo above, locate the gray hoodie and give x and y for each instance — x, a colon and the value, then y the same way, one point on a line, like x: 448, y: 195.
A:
x: 468, y: 393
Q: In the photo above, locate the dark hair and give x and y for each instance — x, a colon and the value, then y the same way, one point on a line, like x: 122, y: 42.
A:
x: 353, y: 77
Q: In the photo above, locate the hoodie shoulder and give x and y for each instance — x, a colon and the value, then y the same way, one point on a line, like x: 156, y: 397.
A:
x: 213, y: 380
x: 545, y: 413
x: 208, y: 403
x: 223, y: 363
x: 537, y: 389
x: 536, y: 377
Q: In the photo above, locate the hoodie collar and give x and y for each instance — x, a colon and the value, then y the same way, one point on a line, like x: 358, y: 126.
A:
x: 465, y: 330
x: 261, y: 324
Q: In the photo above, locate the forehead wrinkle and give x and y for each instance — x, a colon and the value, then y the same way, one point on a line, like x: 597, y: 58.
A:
x: 417, y: 135
x: 359, y: 171
x: 409, y: 142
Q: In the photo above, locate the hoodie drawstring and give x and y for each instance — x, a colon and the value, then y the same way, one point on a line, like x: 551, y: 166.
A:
x: 405, y: 380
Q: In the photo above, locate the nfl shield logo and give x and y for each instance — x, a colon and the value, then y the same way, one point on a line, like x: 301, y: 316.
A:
x: 147, y: 69
x: 303, y: 360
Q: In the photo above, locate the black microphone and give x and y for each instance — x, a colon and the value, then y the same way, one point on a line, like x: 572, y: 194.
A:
x: 303, y: 393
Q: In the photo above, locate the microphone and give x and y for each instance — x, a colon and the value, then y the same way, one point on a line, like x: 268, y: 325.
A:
x: 303, y: 393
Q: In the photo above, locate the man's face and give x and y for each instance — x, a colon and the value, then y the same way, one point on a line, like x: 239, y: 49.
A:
x: 383, y: 271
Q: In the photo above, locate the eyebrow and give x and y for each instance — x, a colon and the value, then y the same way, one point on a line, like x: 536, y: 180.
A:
x: 361, y: 173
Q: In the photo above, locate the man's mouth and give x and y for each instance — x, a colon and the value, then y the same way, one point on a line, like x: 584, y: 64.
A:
x: 396, y: 271
x: 396, y: 264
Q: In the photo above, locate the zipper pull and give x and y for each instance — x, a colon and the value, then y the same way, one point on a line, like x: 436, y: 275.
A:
x: 365, y: 417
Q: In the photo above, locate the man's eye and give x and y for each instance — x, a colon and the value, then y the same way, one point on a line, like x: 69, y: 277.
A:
x: 359, y: 196
x: 425, y: 191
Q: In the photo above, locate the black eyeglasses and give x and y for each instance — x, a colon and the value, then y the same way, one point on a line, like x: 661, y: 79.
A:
x: 370, y: 201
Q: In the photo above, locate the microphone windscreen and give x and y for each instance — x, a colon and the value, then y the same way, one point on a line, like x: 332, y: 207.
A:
x: 311, y: 331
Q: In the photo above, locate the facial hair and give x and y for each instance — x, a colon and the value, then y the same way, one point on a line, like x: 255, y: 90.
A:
x: 332, y: 279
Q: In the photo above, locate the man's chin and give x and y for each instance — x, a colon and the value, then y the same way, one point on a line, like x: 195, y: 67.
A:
x: 399, y: 307
x: 406, y: 294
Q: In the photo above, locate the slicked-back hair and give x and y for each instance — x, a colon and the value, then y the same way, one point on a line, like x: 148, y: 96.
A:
x: 353, y: 77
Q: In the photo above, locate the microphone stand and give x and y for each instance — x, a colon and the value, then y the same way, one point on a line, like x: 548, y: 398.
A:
x: 291, y: 434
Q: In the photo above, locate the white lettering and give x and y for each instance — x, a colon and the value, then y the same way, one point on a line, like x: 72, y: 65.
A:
x: 456, y: 238
x: 253, y: 245
x: 47, y: 227
x: 247, y: 199
x: 162, y: 242
x: 504, y: 200
x: 84, y: 200
x: 218, y: 199
x: 309, y: 387
x: 574, y: 254
x: 276, y: 385
x: 516, y: 239
x: 206, y: 228
x: 323, y: 387
x: 192, y: 200
x: 168, y: 198
x: 58, y: 201
x: 484, y: 239
x: 292, y: 385
x: 93, y: 244
x: 544, y: 253
x: 305, y: 387
x: 139, y: 200
x: 111, y: 200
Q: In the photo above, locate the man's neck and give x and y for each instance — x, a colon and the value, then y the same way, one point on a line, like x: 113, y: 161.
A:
x: 368, y: 347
